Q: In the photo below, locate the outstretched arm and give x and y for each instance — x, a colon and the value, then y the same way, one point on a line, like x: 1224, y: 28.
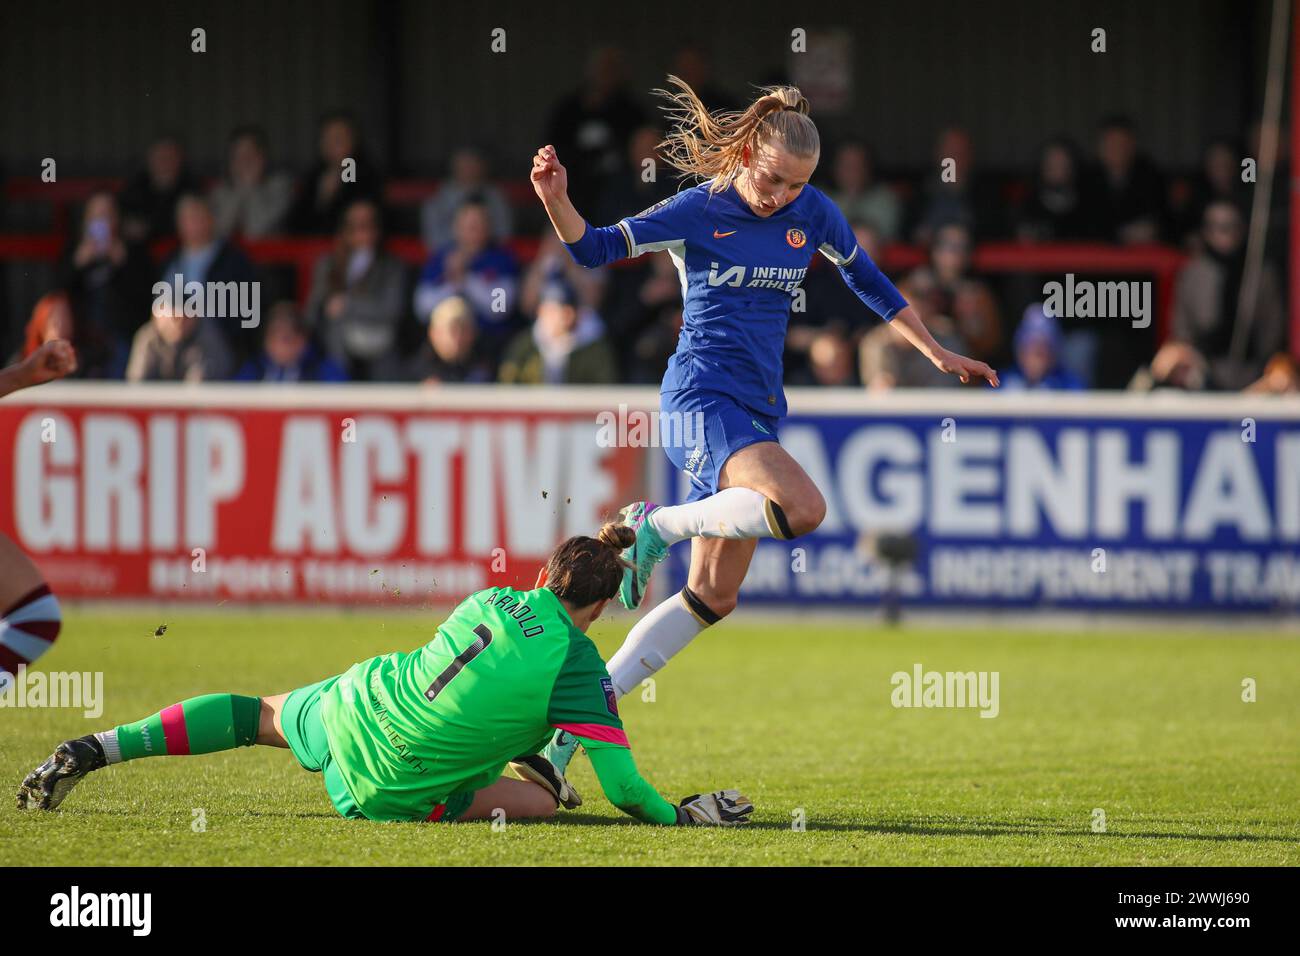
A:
x: 52, y: 360
x: 909, y: 324
x: 624, y: 785
x: 631, y: 793
x: 873, y: 287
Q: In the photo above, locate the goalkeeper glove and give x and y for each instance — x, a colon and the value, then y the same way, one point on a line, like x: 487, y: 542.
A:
x: 722, y: 808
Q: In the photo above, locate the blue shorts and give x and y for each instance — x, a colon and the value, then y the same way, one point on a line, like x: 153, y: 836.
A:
x: 700, y: 429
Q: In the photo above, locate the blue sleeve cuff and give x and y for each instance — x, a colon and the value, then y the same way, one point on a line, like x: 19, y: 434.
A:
x: 586, y: 251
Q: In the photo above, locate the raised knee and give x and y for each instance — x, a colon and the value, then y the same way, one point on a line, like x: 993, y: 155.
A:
x: 805, y: 515
x: 709, y: 605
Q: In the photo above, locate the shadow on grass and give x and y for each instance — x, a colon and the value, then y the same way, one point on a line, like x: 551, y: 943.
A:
x: 957, y: 827
x: 998, y: 828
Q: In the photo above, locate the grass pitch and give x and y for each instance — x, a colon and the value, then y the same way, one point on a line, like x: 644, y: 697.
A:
x: 1149, y: 728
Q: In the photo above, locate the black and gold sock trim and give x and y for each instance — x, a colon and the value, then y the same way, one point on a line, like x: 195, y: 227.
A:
x: 699, y: 610
x: 776, y: 520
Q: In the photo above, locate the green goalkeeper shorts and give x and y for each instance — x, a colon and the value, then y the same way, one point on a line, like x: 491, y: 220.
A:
x: 304, y: 731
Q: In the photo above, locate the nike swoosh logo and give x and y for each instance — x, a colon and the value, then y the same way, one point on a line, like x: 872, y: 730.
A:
x: 723, y: 235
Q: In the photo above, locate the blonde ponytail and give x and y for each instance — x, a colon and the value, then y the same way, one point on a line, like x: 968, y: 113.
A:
x: 712, y: 145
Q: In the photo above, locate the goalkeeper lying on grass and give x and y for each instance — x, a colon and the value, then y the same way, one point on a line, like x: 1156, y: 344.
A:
x: 426, y: 735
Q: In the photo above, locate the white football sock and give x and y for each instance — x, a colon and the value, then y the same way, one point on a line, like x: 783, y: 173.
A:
x: 108, y: 740
x: 731, y: 513
x: 658, y: 636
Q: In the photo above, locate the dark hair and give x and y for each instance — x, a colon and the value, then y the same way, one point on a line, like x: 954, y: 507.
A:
x: 194, y: 196
x: 248, y: 131
x: 1119, y: 121
x: 368, y: 203
x: 860, y: 144
x: 287, y: 311
x: 1066, y: 145
x: 168, y: 136
x: 475, y: 200
x: 585, y: 570
x: 338, y: 116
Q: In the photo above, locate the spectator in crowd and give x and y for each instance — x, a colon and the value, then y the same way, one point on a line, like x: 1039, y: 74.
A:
x: 178, y: 348
x: 53, y: 318
x: 357, y: 297
x: 1176, y: 367
x: 956, y: 191
x: 978, y: 317
x: 551, y: 262
x: 1281, y: 377
x: 204, y: 258
x: 565, y: 346
x: 888, y: 361
x: 630, y: 192
x: 468, y: 182
x: 475, y: 266
x: 950, y: 260
x: 323, y: 193
x: 1127, y: 191
x: 1056, y: 210
x: 108, y: 280
x: 1219, y: 178
x: 860, y: 196
x: 830, y: 360
x: 1038, y: 356
x: 1235, y: 345
x: 655, y: 345
x: 252, y: 200
x: 288, y: 353
x: 450, y: 352
x: 591, y: 126
x: 149, y: 200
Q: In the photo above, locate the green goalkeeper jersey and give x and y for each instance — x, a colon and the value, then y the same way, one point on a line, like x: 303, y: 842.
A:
x: 407, y: 730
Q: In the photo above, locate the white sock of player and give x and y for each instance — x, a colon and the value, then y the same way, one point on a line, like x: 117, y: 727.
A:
x: 731, y: 513
x: 656, y: 637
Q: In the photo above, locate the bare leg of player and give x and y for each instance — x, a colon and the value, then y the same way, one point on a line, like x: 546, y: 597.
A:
x: 770, y: 470
x: 270, y: 732
x: 726, y: 534
x: 31, y: 618
x: 763, y: 493
x: 515, y: 799
x: 718, y: 568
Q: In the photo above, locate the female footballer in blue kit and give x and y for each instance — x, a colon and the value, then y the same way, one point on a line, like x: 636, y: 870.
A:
x: 742, y: 241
